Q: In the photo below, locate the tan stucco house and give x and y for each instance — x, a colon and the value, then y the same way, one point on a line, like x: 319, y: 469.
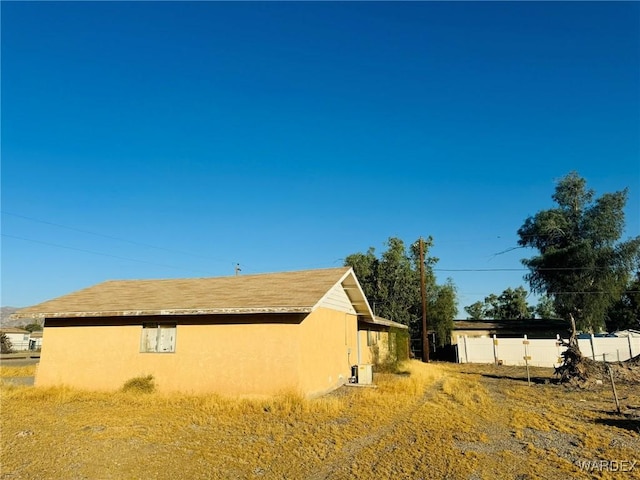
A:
x: 241, y: 335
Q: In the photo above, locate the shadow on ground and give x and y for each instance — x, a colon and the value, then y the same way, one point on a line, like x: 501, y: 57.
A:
x: 632, y: 424
x: 536, y: 380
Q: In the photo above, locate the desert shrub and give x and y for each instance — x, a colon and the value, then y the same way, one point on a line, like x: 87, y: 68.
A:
x: 398, y: 351
x: 401, y: 343
x: 5, y: 344
x: 33, y: 327
x: 143, y: 384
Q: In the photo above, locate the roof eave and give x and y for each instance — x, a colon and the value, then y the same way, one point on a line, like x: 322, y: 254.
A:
x: 170, y: 312
x: 385, y: 322
x: 356, y: 295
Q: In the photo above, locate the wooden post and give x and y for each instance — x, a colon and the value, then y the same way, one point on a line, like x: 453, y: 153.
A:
x: 495, y: 350
x: 466, y: 352
x: 613, y: 386
x: 525, y: 342
x: 423, y: 294
x: 559, y: 345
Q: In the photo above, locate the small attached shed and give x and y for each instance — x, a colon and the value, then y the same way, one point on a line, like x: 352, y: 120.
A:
x: 242, y: 335
x: 378, y: 342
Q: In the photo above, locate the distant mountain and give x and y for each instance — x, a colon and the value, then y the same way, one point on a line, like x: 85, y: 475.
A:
x: 7, y: 321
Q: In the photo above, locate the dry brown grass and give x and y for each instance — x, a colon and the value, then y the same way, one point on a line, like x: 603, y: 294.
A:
x: 437, y: 421
x: 12, y: 372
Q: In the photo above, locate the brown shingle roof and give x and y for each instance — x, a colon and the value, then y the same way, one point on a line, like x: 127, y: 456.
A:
x: 274, y: 292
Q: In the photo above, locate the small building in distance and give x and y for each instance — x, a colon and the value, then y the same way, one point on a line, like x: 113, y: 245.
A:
x: 510, y: 328
x: 18, y: 337
x: 35, y: 340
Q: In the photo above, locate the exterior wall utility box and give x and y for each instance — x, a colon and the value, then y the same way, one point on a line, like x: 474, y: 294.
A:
x: 365, y: 374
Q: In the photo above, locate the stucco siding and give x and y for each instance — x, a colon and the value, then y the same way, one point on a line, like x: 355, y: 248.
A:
x: 328, y: 344
x: 229, y: 359
x: 91, y: 357
x: 366, y: 353
x: 374, y: 345
x: 249, y: 359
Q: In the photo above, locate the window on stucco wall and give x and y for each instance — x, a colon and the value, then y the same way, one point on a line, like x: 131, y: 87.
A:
x: 158, y: 338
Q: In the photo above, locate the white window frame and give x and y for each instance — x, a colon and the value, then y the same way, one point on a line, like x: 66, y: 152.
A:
x: 158, y: 338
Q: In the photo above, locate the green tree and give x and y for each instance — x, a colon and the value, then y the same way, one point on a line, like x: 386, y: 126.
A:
x: 33, y: 327
x: 475, y: 311
x: 391, y: 283
x: 365, y: 266
x: 581, y: 263
x: 397, y: 282
x: 5, y: 344
x: 544, y: 308
x: 625, y: 313
x: 442, y: 310
x: 510, y: 304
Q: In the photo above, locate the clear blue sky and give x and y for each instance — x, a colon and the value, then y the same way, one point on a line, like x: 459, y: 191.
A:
x: 285, y: 136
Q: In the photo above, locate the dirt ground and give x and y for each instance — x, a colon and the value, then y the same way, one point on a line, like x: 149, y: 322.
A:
x: 434, y: 421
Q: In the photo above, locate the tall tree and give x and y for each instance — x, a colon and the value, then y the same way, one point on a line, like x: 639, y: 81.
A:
x: 625, y: 313
x: 397, y: 281
x: 476, y: 311
x: 581, y: 263
x: 442, y: 311
x: 544, y: 308
x: 391, y: 283
x: 365, y: 266
x: 510, y: 304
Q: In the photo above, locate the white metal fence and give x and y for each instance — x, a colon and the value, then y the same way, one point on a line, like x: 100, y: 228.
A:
x: 543, y: 352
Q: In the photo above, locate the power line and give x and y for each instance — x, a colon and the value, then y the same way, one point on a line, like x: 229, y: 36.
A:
x: 208, y: 273
x: 550, y: 269
x: 583, y: 292
x: 568, y: 292
x: 479, y: 269
x: 110, y: 237
x: 98, y: 253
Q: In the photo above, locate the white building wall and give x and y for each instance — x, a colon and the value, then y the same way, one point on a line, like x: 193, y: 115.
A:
x: 35, y: 343
x: 19, y: 341
x: 543, y: 352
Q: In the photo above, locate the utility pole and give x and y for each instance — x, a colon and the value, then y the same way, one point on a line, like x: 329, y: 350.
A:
x: 423, y: 294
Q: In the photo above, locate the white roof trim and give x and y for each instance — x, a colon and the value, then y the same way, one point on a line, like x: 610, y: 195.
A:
x: 184, y: 311
x: 355, y: 293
